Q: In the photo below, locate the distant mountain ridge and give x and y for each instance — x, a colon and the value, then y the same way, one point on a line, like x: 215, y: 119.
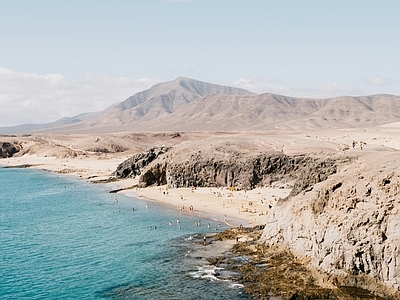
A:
x: 190, y: 105
x: 166, y: 98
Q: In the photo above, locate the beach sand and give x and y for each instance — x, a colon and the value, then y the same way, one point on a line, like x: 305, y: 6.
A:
x: 247, y: 208
x: 68, y: 154
x: 235, y: 208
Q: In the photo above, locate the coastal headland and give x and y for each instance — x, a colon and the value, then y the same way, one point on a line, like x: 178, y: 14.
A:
x: 327, y: 198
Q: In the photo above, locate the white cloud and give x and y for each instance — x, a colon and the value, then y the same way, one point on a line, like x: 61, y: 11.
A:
x: 326, y: 91
x: 32, y: 98
x: 377, y: 80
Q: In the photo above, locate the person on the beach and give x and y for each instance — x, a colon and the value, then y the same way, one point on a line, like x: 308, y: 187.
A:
x: 204, y: 240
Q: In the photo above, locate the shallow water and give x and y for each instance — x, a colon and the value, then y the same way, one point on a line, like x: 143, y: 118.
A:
x: 62, y: 238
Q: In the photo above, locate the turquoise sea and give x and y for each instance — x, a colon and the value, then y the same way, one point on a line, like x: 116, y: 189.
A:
x: 63, y: 238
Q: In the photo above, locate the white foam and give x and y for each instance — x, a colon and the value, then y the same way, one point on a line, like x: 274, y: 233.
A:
x: 206, y: 272
x: 237, y: 285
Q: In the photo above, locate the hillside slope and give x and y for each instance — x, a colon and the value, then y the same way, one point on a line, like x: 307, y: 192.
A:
x: 189, y: 105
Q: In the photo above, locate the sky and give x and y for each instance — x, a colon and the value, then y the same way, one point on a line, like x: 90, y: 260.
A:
x: 60, y: 58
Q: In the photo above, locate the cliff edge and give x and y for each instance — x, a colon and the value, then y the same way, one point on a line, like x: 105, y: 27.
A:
x: 347, y: 225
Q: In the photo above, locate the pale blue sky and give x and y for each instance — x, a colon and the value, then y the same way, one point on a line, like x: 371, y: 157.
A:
x: 66, y: 52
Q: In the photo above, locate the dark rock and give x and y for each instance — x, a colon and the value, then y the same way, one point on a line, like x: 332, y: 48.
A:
x: 8, y: 149
x: 108, y: 149
x: 313, y: 173
x: 134, y: 166
x: 156, y: 175
x: 232, y: 169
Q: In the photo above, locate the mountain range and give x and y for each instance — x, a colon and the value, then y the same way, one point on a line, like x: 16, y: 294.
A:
x: 190, y: 105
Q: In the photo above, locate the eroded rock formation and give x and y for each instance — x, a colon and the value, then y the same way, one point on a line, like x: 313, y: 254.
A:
x: 236, y: 170
x: 348, y: 225
x: 215, y: 168
x: 8, y: 149
x: 135, y: 165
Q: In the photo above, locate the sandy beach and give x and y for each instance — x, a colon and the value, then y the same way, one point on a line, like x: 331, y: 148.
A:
x: 331, y: 166
x: 247, y: 208
x: 235, y: 208
x: 69, y: 155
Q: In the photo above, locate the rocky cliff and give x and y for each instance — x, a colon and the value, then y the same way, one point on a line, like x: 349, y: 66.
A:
x: 134, y: 166
x: 217, y: 167
x: 347, y: 225
x: 342, y: 216
x: 232, y: 169
x: 9, y: 149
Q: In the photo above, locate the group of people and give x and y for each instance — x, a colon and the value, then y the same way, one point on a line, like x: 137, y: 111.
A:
x: 361, y: 143
x: 183, y: 208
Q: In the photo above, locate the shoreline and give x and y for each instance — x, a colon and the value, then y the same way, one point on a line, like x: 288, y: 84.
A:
x: 231, y: 207
x: 216, y: 203
x: 242, y: 257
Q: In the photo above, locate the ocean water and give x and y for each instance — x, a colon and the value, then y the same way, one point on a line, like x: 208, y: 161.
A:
x: 63, y: 238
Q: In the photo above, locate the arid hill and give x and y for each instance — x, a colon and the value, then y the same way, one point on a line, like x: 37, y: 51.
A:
x: 189, y: 105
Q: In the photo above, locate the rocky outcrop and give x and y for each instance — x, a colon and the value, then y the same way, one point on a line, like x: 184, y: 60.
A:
x: 314, y: 172
x: 111, y: 149
x: 214, y: 168
x: 134, y: 166
x: 317, y: 171
x: 347, y: 226
x: 155, y: 175
x: 235, y: 169
x: 9, y: 149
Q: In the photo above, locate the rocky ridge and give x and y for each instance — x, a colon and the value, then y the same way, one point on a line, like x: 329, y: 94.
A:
x: 218, y: 167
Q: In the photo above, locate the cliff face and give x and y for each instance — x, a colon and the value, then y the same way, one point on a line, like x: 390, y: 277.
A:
x: 347, y: 225
x: 232, y: 169
x: 343, y: 215
x: 214, y: 168
x: 8, y: 149
x: 134, y: 166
